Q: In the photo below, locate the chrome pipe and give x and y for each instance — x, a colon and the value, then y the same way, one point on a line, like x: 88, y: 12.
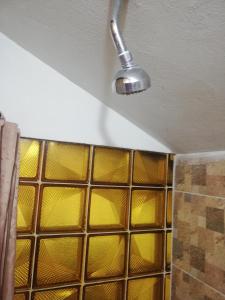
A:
x: 124, y: 54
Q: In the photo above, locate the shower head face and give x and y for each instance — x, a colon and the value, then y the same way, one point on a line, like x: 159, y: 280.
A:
x: 131, y: 80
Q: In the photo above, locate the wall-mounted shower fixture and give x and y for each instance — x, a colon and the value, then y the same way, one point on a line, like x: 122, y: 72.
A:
x: 131, y: 78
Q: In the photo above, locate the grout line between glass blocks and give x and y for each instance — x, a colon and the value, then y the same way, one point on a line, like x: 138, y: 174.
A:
x: 128, y: 226
x: 98, y: 233
x: 36, y: 218
x: 103, y: 185
x: 84, y: 256
x: 165, y: 241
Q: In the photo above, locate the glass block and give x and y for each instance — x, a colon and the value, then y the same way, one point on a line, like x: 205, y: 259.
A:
x: 167, y: 287
x: 145, y: 288
x: 146, y: 252
x: 29, y: 158
x: 108, y: 208
x: 147, y: 208
x: 57, y: 294
x: 25, y: 208
x: 170, y: 169
x: 66, y: 162
x: 111, y: 165
x: 169, y: 208
x: 58, y: 260
x: 106, y: 256
x: 22, y: 296
x: 168, y: 250
x: 149, y: 168
x: 23, y: 262
x: 62, y: 208
x: 104, y: 291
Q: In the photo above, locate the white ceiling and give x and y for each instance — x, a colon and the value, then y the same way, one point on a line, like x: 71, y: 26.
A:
x: 180, y: 43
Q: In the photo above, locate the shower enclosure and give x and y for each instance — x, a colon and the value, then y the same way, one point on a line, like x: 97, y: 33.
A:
x: 93, y: 223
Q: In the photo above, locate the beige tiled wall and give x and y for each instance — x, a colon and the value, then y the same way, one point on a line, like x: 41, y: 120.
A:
x: 199, y: 227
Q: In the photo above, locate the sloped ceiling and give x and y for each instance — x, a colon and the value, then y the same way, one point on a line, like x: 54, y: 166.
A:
x: 180, y: 43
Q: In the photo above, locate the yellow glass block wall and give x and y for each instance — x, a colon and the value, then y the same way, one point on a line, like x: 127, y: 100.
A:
x: 94, y: 223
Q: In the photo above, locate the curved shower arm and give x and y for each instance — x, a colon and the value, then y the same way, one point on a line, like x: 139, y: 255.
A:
x: 124, y: 54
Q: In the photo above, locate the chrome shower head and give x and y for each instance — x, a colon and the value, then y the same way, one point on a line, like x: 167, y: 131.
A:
x: 130, y: 79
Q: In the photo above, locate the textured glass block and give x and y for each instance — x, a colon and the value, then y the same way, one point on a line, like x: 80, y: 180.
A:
x: 147, y: 208
x: 106, y: 256
x: 108, y: 208
x: 57, y: 294
x: 23, y: 262
x: 66, y: 162
x: 168, y: 249
x: 20, y: 297
x: 145, y: 289
x: 146, y: 252
x: 149, y: 168
x: 167, y: 287
x: 169, y: 208
x: 170, y: 169
x: 111, y: 165
x: 29, y: 158
x: 25, y: 208
x: 62, y: 208
x: 58, y: 260
x: 104, y: 291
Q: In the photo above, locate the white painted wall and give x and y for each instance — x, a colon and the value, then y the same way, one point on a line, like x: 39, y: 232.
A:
x: 47, y: 105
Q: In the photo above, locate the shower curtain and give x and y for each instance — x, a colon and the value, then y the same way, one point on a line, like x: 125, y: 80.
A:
x: 9, y: 139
